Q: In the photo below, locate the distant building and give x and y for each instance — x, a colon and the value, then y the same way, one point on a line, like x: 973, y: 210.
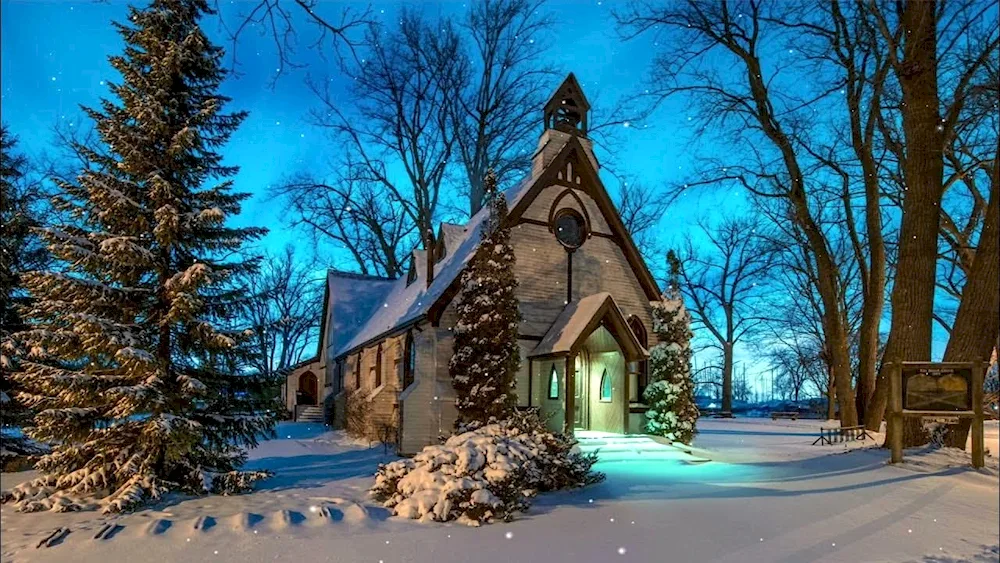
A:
x: 585, y: 298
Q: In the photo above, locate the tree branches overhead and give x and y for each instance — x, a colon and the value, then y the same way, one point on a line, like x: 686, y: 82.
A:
x: 432, y: 105
x: 864, y: 169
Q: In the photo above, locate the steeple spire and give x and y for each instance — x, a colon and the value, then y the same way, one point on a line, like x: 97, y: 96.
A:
x: 567, y: 109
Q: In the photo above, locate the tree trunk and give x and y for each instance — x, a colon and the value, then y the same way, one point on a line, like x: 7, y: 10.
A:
x: 874, y: 299
x: 978, y: 319
x: 727, y: 377
x: 923, y: 173
x: 831, y: 411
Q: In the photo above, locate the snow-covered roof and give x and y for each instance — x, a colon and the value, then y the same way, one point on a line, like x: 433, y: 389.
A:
x: 576, y: 321
x: 352, y: 299
x: 395, y: 303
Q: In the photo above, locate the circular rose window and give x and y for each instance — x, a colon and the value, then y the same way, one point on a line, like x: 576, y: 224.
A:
x: 570, y: 228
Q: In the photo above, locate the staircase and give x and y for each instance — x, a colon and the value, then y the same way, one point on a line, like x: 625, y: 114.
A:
x: 309, y: 413
x: 633, y: 447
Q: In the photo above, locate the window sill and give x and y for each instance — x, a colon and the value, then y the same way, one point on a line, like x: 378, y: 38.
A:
x: 375, y: 392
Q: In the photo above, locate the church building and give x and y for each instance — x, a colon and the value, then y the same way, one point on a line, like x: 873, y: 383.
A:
x: 585, y: 296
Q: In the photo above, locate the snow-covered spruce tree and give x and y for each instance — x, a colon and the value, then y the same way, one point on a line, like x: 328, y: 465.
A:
x: 135, y: 382
x: 487, y: 356
x: 670, y: 394
x: 20, y: 251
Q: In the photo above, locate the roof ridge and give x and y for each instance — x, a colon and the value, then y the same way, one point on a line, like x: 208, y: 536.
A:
x: 356, y: 275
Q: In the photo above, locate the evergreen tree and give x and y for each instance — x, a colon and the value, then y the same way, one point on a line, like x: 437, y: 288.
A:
x: 670, y: 395
x: 487, y: 357
x: 137, y: 384
x: 20, y: 251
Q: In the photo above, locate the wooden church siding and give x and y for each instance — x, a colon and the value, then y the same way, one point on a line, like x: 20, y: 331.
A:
x: 427, y: 405
x: 552, y: 411
x: 600, y: 265
x: 522, y: 381
x: 541, y: 270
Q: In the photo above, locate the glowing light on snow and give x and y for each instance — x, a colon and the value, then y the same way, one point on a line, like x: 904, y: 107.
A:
x: 189, y: 539
x: 314, y: 509
x: 509, y: 535
x: 216, y: 552
x: 611, y: 519
x: 909, y: 531
x: 621, y: 551
x: 591, y: 501
x: 833, y: 544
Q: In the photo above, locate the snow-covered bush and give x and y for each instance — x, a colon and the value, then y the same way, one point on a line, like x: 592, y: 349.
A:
x: 484, y: 474
x: 357, y: 413
x: 670, y: 395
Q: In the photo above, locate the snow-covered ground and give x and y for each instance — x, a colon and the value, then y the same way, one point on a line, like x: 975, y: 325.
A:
x: 766, y: 495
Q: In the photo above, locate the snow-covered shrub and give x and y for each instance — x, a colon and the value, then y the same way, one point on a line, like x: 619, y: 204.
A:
x: 484, y: 474
x: 670, y: 395
x: 357, y: 413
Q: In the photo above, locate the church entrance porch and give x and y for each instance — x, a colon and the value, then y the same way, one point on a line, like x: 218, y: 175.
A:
x: 599, y: 386
x: 582, y: 382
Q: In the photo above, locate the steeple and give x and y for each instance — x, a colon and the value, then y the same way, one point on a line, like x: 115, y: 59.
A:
x: 567, y: 109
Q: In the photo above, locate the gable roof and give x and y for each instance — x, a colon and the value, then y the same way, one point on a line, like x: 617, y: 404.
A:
x: 400, y: 304
x: 579, y: 319
x: 350, y: 300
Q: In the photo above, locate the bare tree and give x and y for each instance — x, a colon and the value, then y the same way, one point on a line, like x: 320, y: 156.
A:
x: 435, y: 104
x: 936, y: 66
x: 283, y: 308
x: 397, y: 137
x: 498, y: 95
x: 342, y: 33
x: 762, y: 118
x: 353, y: 214
x: 723, y: 283
x: 641, y: 209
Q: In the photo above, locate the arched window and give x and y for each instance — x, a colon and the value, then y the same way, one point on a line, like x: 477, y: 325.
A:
x: 378, y: 366
x: 640, y: 368
x: 605, y: 387
x: 410, y: 363
x: 554, y: 383
x: 357, y: 372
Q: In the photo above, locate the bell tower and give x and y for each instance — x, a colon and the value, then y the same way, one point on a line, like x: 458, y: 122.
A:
x: 567, y: 109
x: 565, y: 116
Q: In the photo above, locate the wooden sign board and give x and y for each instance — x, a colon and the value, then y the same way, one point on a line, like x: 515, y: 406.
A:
x: 937, y: 388
x: 940, y: 419
x: 939, y: 392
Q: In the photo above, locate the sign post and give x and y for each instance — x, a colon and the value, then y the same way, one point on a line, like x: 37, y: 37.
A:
x: 942, y: 392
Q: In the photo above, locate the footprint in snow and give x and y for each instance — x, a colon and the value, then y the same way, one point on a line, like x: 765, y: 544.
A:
x: 245, y: 521
x: 203, y: 524
x: 283, y: 519
x: 158, y: 527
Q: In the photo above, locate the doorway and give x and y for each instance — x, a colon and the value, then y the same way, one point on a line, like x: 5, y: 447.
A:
x: 308, y: 389
x: 600, y: 384
x: 581, y: 393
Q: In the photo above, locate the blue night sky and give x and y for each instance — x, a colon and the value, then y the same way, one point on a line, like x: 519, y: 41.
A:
x: 55, y: 59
